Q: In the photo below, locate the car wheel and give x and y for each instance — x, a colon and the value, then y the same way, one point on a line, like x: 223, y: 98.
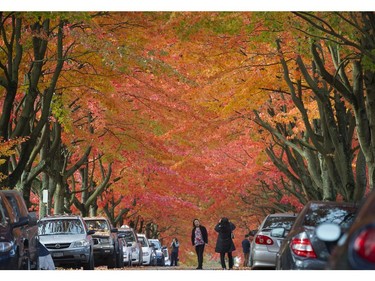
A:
x: 120, y: 259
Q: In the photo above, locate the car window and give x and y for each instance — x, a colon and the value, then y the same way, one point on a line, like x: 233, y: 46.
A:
x: 341, y: 215
x: 97, y: 225
x: 143, y: 241
x: 64, y: 226
x: 276, y: 222
x: 2, y: 213
x: 14, y: 205
x: 129, y: 236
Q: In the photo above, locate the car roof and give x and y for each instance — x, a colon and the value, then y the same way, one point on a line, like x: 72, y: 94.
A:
x: 282, y: 215
x: 95, y: 218
x: 65, y: 216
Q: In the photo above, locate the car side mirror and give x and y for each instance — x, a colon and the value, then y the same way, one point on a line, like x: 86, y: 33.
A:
x: 129, y: 244
x: 90, y: 232
x: 21, y: 222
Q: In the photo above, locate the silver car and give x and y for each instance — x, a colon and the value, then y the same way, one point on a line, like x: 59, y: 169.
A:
x: 267, y: 240
x: 68, y: 240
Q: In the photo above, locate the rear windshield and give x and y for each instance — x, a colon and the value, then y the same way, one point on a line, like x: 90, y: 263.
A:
x: 276, y: 222
x: 341, y: 215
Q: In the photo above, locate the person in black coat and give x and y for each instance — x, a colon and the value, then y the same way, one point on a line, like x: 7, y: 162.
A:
x: 199, y: 238
x: 224, y: 243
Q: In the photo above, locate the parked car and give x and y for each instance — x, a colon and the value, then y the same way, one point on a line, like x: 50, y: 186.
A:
x: 107, y: 249
x: 149, y: 255
x: 301, y: 249
x: 18, y: 233
x: 167, y: 258
x: 355, y: 248
x: 268, y: 238
x: 132, y: 249
x: 68, y: 240
x: 160, y: 258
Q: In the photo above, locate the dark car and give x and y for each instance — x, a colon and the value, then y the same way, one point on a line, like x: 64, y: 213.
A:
x: 268, y: 238
x: 29, y: 227
x: 15, y: 228
x: 301, y: 249
x: 13, y: 250
x: 355, y: 248
x: 107, y: 248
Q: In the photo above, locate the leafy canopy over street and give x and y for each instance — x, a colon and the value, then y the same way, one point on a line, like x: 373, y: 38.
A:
x: 156, y: 118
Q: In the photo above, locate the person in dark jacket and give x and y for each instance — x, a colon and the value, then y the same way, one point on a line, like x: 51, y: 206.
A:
x: 224, y: 243
x: 199, y: 238
x: 174, y: 253
x: 246, y: 250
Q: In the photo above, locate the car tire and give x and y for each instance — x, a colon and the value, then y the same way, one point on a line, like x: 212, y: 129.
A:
x: 120, y: 259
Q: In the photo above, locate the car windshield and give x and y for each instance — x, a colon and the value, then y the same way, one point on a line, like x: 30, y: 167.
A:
x: 156, y: 243
x: 143, y: 242
x: 97, y: 225
x: 276, y: 222
x: 63, y: 226
x: 128, y: 235
x: 341, y: 215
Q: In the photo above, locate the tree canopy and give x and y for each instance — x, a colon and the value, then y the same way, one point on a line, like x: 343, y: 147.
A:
x: 157, y: 118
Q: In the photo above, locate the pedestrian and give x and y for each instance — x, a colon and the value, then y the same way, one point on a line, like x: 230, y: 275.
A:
x: 246, y: 250
x: 174, y: 253
x: 199, y: 238
x: 224, y: 243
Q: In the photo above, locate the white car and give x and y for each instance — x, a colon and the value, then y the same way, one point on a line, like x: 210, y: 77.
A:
x: 132, y: 249
x: 149, y: 255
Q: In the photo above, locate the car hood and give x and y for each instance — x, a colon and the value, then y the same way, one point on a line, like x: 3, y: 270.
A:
x: 61, y: 238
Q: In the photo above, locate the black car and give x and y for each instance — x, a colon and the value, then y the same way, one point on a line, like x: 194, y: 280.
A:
x: 13, y: 244
x: 301, y: 249
x: 355, y: 248
x: 28, y: 227
x: 107, y: 248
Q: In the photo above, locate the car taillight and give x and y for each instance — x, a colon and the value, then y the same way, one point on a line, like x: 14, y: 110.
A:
x: 364, y: 244
x: 263, y: 240
x: 302, y: 247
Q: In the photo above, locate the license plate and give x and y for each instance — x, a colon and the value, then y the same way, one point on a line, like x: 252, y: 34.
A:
x: 57, y: 255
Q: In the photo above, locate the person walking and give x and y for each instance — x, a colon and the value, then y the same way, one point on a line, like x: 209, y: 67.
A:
x: 224, y: 243
x: 199, y: 238
x: 246, y: 250
x: 174, y: 253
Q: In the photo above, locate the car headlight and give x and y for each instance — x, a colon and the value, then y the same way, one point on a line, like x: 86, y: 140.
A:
x: 5, y: 247
x: 80, y: 243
